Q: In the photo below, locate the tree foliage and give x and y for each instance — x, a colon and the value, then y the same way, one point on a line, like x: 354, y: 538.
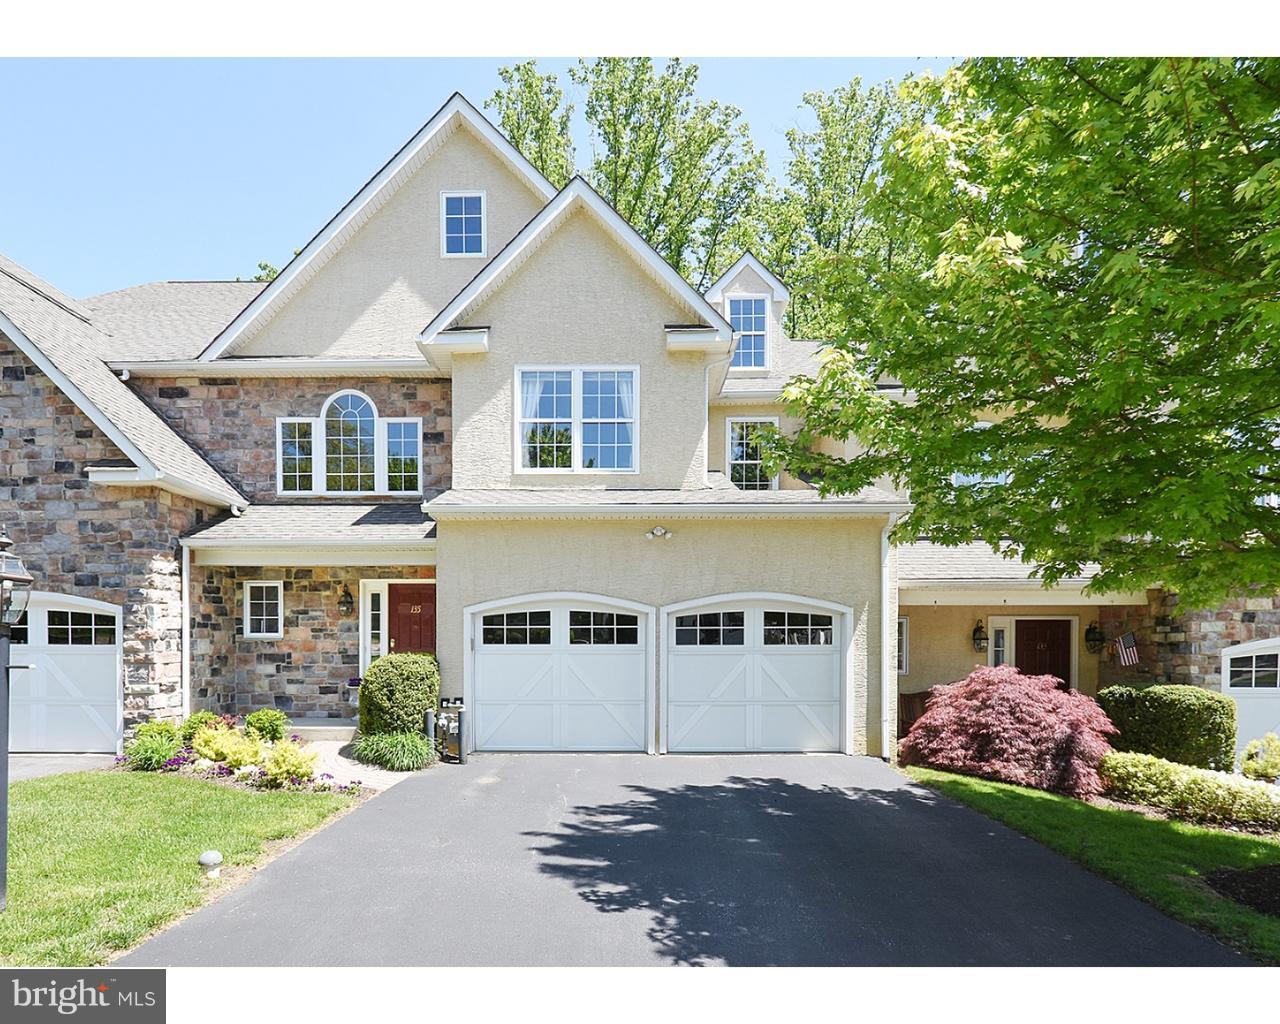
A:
x: 1101, y: 241
x: 533, y: 114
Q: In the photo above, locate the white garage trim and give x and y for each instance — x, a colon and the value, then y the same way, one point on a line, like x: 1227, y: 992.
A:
x: 842, y: 613
x: 471, y: 614
x: 1257, y: 699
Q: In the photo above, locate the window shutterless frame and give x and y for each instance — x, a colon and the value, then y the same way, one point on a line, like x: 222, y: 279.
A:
x: 750, y: 369
x: 248, y: 598
x: 465, y: 193
x: 729, y: 424
x: 517, y: 439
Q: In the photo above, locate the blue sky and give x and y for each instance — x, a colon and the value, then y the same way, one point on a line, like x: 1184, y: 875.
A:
x: 124, y: 171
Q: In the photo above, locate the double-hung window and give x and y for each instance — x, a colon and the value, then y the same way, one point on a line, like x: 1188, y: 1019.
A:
x: 573, y: 419
x: 743, y: 457
x: 750, y: 319
x: 263, y: 610
x: 349, y: 449
x: 462, y: 217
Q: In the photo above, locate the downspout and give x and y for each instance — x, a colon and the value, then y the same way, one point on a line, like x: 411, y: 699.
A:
x: 888, y: 643
x: 186, y: 630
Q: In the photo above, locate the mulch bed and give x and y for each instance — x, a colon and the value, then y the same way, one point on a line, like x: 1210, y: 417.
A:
x: 1258, y: 888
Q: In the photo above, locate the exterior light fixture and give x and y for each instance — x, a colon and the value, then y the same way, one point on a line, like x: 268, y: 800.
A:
x: 1094, y: 638
x: 15, y: 591
x: 980, y: 638
x: 346, y: 603
x: 659, y: 531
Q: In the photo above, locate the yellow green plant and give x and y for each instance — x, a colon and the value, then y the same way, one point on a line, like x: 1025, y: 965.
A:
x: 232, y: 748
x: 287, y: 763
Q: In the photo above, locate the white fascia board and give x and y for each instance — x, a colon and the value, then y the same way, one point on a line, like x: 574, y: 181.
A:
x: 917, y: 592
x: 131, y: 476
x: 99, y: 418
x: 441, y: 349
x: 683, y: 511
x: 748, y: 397
x: 198, y: 542
x: 704, y: 339
x: 577, y: 191
x: 273, y: 367
x: 271, y: 554
x: 781, y: 293
x: 457, y: 105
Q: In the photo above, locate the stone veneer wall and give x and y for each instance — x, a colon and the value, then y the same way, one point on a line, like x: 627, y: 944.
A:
x: 112, y: 544
x: 232, y: 422
x: 306, y: 672
x: 1185, y: 647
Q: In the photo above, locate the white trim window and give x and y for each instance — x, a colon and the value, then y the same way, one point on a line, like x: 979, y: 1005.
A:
x: 462, y: 224
x: 749, y: 315
x: 263, y: 610
x: 577, y: 419
x: 743, y: 459
x: 904, y: 639
x: 348, y: 449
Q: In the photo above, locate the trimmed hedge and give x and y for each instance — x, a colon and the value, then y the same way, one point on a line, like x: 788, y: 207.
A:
x: 1192, y: 794
x: 1261, y: 759
x: 396, y: 691
x: 1187, y: 724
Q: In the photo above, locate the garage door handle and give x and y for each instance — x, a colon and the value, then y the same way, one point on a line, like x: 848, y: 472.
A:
x: 12, y: 667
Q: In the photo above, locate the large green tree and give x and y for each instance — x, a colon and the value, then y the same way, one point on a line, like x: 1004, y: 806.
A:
x: 682, y: 170
x: 1102, y: 284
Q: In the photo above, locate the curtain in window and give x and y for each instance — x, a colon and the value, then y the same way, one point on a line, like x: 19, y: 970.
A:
x: 626, y: 396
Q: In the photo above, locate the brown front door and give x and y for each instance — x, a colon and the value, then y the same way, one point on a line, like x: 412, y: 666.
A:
x: 1043, y: 648
x: 412, y: 617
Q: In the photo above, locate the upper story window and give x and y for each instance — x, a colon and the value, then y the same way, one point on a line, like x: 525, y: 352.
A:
x: 750, y: 317
x: 349, y: 449
x: 981, y: 479
x: 743, y: 457
x: 572, y: 419
x: 462, y: 224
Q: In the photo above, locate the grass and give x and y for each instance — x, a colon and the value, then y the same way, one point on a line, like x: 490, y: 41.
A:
x: 1159, y: 861
x: 97, y: 860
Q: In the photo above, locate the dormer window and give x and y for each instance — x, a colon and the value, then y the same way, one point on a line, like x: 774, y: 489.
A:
x: 749, y: 316
x: 462, y: 224
x: 349, y: 449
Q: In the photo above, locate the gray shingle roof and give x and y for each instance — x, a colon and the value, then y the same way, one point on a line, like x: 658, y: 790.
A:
x: 61, y: 328
x: 391, y: 524
x: 168, y: 319
x: 721, y: 494
x: 791, y: 359
x: 925, y: 562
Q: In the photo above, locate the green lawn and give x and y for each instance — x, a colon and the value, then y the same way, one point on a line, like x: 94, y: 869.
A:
x: 1159, y: 861
x: 99, y: 859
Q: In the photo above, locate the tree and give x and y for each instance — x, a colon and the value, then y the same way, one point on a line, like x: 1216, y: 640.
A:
x: 532, y: 113
x: 1103, y: 250
x: 266, y: 272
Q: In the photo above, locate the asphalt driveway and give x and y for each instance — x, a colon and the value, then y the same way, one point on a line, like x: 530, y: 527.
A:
x: 545, y: 859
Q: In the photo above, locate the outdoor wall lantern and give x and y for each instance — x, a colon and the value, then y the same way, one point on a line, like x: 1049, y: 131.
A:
x: 1094, y: 638
x: 980, y: 638
x: 15, y: 590
x: 346, y: 603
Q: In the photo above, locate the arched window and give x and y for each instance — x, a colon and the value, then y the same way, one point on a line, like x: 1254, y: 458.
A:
x: 349, y: 449
x: 349, y: 443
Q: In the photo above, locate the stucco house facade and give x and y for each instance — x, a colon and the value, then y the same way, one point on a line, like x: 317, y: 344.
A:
x: 481, y: 417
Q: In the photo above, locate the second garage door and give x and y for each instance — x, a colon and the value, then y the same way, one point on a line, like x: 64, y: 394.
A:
x: 748, y: 674
x: 561, y: 674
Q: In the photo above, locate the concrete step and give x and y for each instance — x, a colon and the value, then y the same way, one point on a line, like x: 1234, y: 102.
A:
x: 343, y: 729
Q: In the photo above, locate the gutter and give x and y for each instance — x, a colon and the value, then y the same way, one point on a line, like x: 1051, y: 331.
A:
x: 272, y: 366
x: 186, y: 631
x: 673, y: 510
x: 299, y: 542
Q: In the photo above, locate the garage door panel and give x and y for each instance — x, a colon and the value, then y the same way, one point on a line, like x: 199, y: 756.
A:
x: 799, y: 675
x: 1257, y: 714
x: 603, y: 676
x: 803, y: 727
x: 516, y: 675
x: 67, y: 702
x: 508, y: 726
x: 615, y: 726
x: 720, y: 676
x: 709, y: 727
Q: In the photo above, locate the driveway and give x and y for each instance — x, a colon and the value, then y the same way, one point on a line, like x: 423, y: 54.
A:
x: 34, y: 766
x: 563, y: 859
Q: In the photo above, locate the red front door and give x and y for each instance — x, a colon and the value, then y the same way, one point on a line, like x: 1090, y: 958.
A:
x: 412, y: 617
x: 1043, y: 648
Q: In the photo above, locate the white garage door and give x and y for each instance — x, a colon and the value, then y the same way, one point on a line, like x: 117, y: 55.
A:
x: 567, y: 674
x: 1251, y: 676
x: 754, y: 675
x: 69, y: 699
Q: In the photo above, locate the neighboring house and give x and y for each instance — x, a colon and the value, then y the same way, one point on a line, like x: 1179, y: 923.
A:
x: 480, y: 417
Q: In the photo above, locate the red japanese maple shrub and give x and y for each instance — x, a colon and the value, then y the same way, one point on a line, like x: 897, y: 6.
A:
x: 1002, y: 725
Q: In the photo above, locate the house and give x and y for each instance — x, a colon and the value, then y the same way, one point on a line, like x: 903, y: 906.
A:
x: 477, y: 416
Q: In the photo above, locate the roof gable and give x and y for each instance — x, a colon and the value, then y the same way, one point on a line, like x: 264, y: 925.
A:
x: 457, y: 112
x: 746, y: 261
x: 575, y: 196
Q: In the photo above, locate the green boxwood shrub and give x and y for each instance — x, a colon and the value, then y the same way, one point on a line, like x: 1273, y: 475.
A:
x: 395, y: 751
x: 267, y: 724
x: 195, y: 723
x: 396, y: 691
x: 1187, y: 724
x: 150, y: 751
x: 1192, y: 794
x: 166, y: 730
x: 1261, y: 758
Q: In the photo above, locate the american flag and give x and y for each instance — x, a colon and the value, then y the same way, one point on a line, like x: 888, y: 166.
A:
x: 1127, y: 649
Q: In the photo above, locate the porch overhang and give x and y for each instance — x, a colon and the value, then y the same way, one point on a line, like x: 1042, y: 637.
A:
x: 1030, y: 593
